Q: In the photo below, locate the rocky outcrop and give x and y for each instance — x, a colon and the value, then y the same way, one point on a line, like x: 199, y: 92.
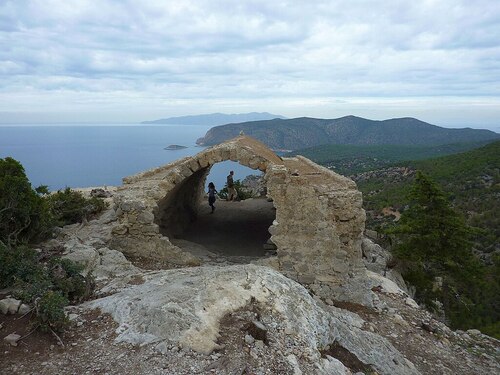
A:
x: 253, y: 319
x: 190, y: 307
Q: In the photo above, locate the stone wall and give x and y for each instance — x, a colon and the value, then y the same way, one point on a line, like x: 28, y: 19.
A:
x: 319, y: 216
x: 319, y: 222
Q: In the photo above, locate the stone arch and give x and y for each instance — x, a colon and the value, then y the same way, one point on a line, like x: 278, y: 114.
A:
x: 319, y: 216
x: 178, y: 207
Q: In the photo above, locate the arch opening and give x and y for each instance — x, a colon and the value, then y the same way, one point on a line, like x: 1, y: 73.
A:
x: 237, y: 229
x: 180, y: 206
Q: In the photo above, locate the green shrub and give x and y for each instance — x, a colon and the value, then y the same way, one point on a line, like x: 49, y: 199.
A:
x: 432, y: 241
x: 67, y: 278
x: 24, y: 215
x: 48, y: 286
x: 68, y: 206
x: 17, y: 264
x: 242, y: 192
x: 50, y: 311
x: 28, y: 215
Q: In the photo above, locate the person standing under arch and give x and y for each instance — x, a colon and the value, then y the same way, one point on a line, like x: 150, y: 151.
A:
x: 211, y: 196
x: 231, y: 191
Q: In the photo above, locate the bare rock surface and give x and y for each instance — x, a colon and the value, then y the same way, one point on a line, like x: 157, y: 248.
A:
x: 188, y: 307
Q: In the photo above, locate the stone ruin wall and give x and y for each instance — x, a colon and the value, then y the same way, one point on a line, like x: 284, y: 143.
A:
x: 319, y: 216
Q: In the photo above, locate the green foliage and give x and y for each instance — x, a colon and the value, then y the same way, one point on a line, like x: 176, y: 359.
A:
x: 69, y: 206
x: 28, y: 215
x: 432, y: 244
x: 50, y: 311
x: 242, y: 192
x: 24, y: 215
x: 470, y: 291
x: 48, y: 286
x: 18, y: 264
x: 472, y: 180
x: 350, y: 159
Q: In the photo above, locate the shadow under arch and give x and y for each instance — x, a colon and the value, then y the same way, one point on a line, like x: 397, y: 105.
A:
x: 237, y: 228
x: 173, y: 193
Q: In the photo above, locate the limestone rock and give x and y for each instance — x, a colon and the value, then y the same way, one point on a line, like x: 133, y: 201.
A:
x: 185, y: 307
x: 23, y: 309
x: 12, y: 339
x: 9, y: 305
x: 113, y: 264
x: 376, y: 259
x: 330, y: 365
x: 85, y: 255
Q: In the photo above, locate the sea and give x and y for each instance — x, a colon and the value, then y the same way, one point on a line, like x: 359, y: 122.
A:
x: 82, y: 155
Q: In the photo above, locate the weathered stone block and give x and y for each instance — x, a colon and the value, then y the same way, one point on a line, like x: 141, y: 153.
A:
x: 119, y: 229
x: 146, y: 217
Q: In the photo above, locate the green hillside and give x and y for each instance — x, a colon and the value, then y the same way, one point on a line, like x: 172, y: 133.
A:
x: 349, y: 159
x: 472, y: 180
x: 303, y: 132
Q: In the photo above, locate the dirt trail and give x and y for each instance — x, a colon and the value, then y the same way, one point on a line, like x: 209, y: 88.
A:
x: 235, y: 228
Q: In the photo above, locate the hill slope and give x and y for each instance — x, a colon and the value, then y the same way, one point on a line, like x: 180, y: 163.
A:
x: 293, y: 134
x: 472, y: 179
x: 350, y: 159
x: 214, y: 119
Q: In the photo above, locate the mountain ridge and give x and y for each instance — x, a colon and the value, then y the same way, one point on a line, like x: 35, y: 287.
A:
x: 303, y: 132
x: 215, y: 119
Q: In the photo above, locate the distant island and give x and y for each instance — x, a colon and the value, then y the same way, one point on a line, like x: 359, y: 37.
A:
x: 175, y: 147
x: 303, y: 132
x: 214, y: 119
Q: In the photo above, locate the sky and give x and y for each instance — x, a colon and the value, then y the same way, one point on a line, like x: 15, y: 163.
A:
x: 129, y: 61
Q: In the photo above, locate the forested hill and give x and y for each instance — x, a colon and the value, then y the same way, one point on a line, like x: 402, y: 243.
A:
x: 303, y: 132
x: 471, y: 179
x: 351, y: 159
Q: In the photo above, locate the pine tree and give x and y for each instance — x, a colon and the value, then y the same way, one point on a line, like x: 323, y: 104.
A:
x: 433, y: 247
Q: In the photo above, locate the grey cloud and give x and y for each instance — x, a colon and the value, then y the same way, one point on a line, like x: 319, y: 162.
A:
x: 247, y: 50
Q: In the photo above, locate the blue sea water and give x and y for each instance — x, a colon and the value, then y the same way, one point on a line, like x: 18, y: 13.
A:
x: 82, y: 155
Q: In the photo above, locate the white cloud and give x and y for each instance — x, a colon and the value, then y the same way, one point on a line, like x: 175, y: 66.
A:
x: 140, y: 60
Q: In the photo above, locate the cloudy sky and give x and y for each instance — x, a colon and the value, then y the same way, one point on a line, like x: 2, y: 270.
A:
x: 128, y: 61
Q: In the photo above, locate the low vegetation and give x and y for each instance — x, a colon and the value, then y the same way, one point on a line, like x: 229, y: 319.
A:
x: 432, y: 244
x: 467, y: 187
x: 351, y: 159
x: 242, y: 192
x: 41, y: 279
x: 471, y: 181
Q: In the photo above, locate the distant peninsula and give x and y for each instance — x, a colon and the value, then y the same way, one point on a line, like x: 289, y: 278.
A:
x: 175, y: 147
x: 214, y: 119
x: 303, y: 132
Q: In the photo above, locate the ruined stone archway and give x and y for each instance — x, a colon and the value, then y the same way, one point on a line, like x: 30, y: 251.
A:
x: 319, y: 216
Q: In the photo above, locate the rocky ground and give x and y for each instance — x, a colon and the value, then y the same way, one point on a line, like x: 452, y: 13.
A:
x: 90, y: 346
x: 229, y: 318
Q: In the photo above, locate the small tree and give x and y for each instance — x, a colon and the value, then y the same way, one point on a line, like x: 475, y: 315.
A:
x: 24, y: 214
x: 241, y: 191
x: 432, y: 244
x: 28, y: 215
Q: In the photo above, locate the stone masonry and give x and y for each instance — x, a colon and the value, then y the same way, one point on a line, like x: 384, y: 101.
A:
x: 319, y: 216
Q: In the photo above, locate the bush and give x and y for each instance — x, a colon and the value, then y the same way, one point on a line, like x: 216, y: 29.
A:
x: 48, y: 286
x: 242, y: 192
x: 50, y: 311
x: 68, y: 206
x: 27, y: 215
x: 24, y: 215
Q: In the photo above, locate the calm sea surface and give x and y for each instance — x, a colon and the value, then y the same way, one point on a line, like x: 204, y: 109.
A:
x: 84, y: 155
